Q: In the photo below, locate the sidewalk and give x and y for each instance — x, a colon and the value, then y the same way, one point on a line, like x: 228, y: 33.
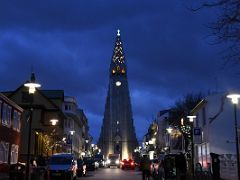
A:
x: 201, y: 176
x: 4, y: 176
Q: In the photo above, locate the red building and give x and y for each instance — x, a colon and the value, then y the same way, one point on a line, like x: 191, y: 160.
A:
x: 10, y: 125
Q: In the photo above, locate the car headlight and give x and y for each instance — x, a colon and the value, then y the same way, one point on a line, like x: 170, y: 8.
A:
x: 108, y: 161
x: 117, y: 161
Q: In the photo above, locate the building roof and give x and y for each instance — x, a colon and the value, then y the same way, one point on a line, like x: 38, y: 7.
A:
x: 53, y: 94
x: 10, y: 102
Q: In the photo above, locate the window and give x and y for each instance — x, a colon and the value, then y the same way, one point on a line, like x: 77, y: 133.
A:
x: 66, y: 107
x: 9, y: 115
x: 16, y: 120
x: 4, y: 114
x: 4, y: 149
x: 14, y: 154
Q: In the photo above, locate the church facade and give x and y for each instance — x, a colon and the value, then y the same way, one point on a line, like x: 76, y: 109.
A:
x: 118, y: 132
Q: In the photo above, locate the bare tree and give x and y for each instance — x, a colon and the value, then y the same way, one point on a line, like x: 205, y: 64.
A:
x: 226, y: 28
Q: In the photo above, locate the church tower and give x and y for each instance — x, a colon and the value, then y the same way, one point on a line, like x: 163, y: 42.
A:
x: 118, y: 132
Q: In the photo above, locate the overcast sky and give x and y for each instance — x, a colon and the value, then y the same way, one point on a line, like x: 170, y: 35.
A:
x: 70, y: 43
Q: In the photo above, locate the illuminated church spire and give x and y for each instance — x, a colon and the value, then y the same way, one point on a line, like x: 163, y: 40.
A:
x: 118, y: 132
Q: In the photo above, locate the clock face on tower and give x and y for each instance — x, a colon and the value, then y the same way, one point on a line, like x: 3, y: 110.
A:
x: 118, y: 83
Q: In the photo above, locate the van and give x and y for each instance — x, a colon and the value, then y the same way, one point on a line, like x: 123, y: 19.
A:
x: 62, y: 166
x: 113, y: 160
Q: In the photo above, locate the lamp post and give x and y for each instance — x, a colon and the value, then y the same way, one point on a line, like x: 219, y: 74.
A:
x: 92, y: 148
x: 54, y: 123
x: 32, y: 85
x: 191, y: 120
x: 169, y: 131
x: 72, y: 132
x: 234, y: 98
x: 86, y: 146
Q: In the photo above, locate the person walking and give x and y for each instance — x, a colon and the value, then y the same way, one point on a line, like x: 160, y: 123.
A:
x: 145, y: 167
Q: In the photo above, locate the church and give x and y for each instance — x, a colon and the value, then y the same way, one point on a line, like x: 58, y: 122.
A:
x: 118, y: 132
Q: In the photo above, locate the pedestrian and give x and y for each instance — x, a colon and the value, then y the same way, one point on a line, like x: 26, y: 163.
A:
x: 161, y: 174
x: 145, y: 167
x: 181, y: 166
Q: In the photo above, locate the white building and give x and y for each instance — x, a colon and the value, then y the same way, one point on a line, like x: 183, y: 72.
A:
x: 162, y: 136
x: 215, y: 116
x: 75, y: 125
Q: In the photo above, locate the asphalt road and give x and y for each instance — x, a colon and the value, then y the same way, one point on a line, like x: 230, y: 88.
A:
x: 113, y: 173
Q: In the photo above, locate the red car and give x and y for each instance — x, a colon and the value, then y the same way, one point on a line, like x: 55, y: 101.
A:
x: 127, y: 164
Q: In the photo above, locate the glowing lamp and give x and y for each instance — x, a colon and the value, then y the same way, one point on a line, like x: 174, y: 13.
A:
x: 169, y: 130
x: 118, y: 83
x: 234, y: 98
x: 32, y: 85
x: 72, y: 132
x: 191, y: 118
x: 54, y: 121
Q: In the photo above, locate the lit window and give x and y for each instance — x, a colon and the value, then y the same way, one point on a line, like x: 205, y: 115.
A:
x: 9, y: 115
x: 118, y: 68
x: 16, y: 120
x: 14, y: 154
x: 4, y: 114
x: 4, y: 150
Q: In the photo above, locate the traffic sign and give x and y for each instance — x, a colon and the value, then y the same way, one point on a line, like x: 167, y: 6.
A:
x: 197, y: 135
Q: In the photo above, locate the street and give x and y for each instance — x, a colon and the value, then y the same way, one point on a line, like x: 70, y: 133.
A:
x: 112, y: 173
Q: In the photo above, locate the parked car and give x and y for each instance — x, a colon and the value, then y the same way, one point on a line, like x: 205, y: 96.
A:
x: 81, y: 168
x: 17, y: 171
x: 91, y: 164
x: 127, y: 164
x: 62, y: 165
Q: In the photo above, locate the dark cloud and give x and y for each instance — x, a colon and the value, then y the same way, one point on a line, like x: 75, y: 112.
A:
x: 70, y: 44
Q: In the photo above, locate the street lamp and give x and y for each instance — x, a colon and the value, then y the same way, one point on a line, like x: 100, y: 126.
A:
x: 72, y: 132
x: 191, y: 119
x: 92, y: 145
x: 32, y: 85
x: 234, y: 98
x: 54, y: 123
x: 169, y: 131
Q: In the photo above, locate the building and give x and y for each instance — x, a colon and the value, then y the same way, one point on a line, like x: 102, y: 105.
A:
x: 215, y: 121
x: 163, y: 124
x: 170, y: 137
x: 75, y: 126
x: 45, y: 106
x: 10, y: 130
x: 118, y: 132
x: 150, y: 141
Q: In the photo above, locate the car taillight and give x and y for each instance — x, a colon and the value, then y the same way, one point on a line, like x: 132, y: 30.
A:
x: 132, y: 163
